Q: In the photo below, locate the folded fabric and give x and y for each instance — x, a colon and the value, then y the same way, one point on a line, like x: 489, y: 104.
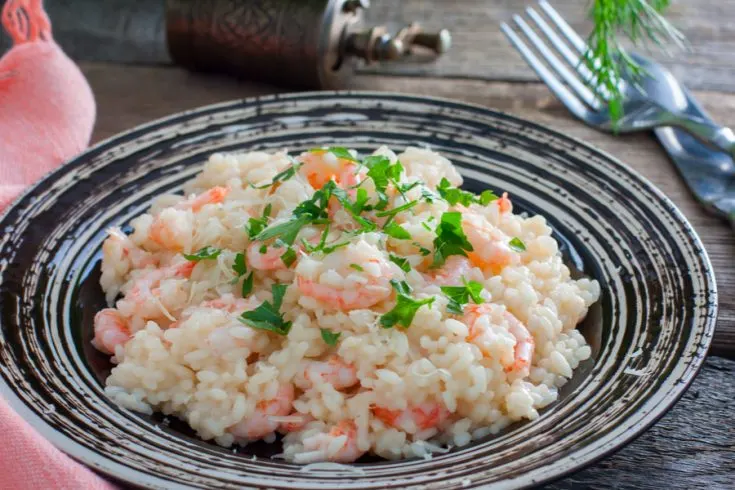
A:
x: 47, y: 116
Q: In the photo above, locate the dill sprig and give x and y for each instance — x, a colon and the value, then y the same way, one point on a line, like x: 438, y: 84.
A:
x: 639, y: 21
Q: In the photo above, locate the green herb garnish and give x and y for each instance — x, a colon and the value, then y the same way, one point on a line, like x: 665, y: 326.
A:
x: 401, y: 262
x: 517, y: 245
x: 401, y: 287
x: 357, y: 267
x: 337, y: 151
x: 450, y: 239
x: 289, y: 256
x: 330, y: 337
x: 267, y: 316
x: 460, y: 296
x: 205, y: 253
x: 247, y: 285
x: 454, y: 195
x: 396, y: 231
x: 240, y: 266
x: 404, y: 311
x: 395, y: 211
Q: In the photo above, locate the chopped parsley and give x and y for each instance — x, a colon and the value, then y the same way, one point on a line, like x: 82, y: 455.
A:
x: 204, y: 254
x: 267, y: 316
x: 450, y: 239
x: 517, y: 245
x: 401, y: 287
x: 337, y: 151
x: 401, y: 262
x: 289, y: 256
x: 281, y: 176
x: 396, y: 231
x: 255, y: 226
x: 461, y: 295
x: 239, y: 266
x: 286, y: 231
x: 425, y: 226
x: 330, y: 337
x: 405, y: 310
x: 357, y: 267
x: 394, y: 211
x: 247, y: 285
x: 454, y: 195
x: 422, y: 250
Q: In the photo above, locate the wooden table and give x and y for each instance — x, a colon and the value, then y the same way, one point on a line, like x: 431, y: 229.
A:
x: 693, y: 446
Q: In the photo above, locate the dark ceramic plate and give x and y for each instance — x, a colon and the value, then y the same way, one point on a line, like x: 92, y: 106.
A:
x: 649, y: 331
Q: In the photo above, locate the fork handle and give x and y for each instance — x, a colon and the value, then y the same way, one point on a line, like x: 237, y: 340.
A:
x: 708, y: 132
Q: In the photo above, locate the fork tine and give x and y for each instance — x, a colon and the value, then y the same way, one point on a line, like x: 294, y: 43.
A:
x: 565, y: 28
x: 575, y: 106
x: 579, y: 88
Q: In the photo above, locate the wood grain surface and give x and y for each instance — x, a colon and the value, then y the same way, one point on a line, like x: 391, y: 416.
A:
x: 480, y: 51
x: 693, y: 446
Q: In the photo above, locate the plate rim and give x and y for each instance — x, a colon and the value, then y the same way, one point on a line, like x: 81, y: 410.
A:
x: 87, y: 456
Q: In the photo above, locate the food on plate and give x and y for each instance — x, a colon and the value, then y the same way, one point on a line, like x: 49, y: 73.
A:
x: 355, y: 305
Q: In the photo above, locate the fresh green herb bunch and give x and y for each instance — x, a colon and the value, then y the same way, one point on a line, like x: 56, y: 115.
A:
x: 639, y: 21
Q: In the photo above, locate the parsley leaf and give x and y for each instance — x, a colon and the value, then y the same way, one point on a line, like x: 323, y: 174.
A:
x: 281, y: 176
x: 405, y: 310
x: 255, y: 226
x: 286, y: 231
x: 204, y: 254
x: 396, y: 231
x: 401, y: 287
x: 378, y: 171
x: 330, y: 337
x: 357, y: 267
x: 337, y: 151
x: 454, y: 195
x: 247, y: 285
x: 399, y: 209
x: 450, y: 238
x: 289, y: 257
x: 517, y: 245
x: 401, y: 262
x: 423, y: 251
x: 267, y: 316
x: 239, y: 266
x: 460, y: 296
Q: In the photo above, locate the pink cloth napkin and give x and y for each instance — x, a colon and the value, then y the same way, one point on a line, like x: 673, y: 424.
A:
x: 47, y: 113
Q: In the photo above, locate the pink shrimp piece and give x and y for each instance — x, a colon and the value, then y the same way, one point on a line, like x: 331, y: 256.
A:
x: 268, y: 261
x: 334, y: 371
x: 215, y: 195
x: 260, y: 423
x: 170, y: 229
x: 110, y: 330
x: 455, y: 269
x: 339, y: 445
x: 504, y: 204
x: 491, y: 249
x: 345, y: 299
x: 229, y: 303
x: 424, y: 416
x: 478, y: 334
x: 319, y: 167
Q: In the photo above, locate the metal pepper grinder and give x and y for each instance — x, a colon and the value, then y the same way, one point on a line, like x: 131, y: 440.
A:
x: 299, y: 43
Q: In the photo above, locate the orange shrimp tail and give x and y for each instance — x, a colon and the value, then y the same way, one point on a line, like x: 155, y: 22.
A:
x: 504, y: 203
x: 25, y: 21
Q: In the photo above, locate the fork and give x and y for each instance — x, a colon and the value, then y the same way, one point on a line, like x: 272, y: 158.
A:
x: 579, y: 91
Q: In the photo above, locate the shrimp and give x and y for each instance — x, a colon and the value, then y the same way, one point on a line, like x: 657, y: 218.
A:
x: 339, y: 445
x: 172, y: 229
x: 333, y: 283
x: 260, y: 423
x: 491, y: 249
x: 230, y: 303
x: 270, y: 260
x: 424, y: 416
x: 142, y: 298
x: 215, y: 195
x: 110, y: 330
x: 334, y: 371
x: 297, y: 423
x: 479, y: 319
x: 455, y: 270
x: 319, y: 167
x: 504, y: 204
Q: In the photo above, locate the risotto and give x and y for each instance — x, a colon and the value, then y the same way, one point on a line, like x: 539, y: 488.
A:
x: 355, y: 305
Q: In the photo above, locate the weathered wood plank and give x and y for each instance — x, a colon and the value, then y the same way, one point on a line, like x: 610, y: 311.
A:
x: 133, y: 31
x: 481, y: 51
x: 123, y: 104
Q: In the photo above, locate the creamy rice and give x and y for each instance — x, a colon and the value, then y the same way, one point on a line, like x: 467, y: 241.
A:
x: 334, y: 367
